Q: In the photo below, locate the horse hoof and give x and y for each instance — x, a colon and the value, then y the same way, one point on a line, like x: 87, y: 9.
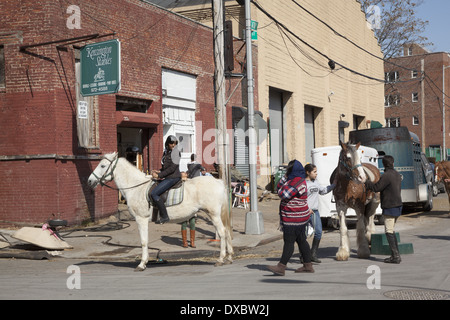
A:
x: 218, y: 264
x: 363, y: 255
x: 342, y: 256
x: 139, y: 269
x: 226, y: 262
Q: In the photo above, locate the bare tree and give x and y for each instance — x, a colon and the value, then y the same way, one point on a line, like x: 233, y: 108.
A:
x: 395, y: 24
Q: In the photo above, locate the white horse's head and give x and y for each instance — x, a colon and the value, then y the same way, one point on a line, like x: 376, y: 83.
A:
x: 351, y: 160
x: 104, y: 171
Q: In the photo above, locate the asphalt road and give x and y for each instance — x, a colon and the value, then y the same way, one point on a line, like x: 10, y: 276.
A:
x: 422, y: 275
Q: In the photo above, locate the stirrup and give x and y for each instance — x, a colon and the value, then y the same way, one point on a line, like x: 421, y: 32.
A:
x: 162, y: 220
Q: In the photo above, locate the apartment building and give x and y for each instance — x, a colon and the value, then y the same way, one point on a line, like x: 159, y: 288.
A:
x: 417, y: 96
x: 320, y: 72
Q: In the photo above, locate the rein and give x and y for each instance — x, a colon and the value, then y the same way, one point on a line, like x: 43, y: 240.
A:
x: 102, y: 179
x: 348, y: 167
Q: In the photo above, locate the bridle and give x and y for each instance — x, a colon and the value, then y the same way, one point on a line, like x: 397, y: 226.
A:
x: 113, y: 164
x: 349, y: 174
x: 102, y: 179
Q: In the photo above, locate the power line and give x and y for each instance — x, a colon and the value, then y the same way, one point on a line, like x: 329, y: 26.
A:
x: 427, y: 76
x: 313, y: 48
x: 344, y: 37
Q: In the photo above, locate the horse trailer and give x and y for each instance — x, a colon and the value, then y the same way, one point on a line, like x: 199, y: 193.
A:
x: 409, y: 161
x: 326, y: 159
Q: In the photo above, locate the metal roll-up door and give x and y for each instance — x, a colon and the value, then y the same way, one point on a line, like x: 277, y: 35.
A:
x: 241, y: 147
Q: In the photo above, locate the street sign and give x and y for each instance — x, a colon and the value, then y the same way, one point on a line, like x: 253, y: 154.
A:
x: 254, y: 27
x: 100, y: 68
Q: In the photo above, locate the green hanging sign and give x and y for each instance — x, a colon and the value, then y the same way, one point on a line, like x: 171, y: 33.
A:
x: 100, y: 68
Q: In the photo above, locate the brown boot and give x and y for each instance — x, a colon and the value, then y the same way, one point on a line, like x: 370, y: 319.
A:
x: 192, y: 238
x: 279, y: 269
x: 307, y: 267
x: 184, y: 237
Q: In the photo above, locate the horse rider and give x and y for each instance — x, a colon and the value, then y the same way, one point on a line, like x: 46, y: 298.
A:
x: 389, y: 186
x: 169, y: 175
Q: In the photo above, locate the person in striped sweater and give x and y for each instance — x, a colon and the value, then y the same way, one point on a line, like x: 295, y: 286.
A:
x: 294, y: 214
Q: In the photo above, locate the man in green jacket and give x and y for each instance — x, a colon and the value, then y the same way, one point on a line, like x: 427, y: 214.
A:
x: 389, y: 187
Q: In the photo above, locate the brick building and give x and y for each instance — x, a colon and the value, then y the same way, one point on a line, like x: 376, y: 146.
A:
x: 305, y: 103
x: 418, y: 104
x: 47, y: 150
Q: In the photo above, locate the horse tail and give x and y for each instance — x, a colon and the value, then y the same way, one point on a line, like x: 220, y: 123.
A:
x: 225, y: 213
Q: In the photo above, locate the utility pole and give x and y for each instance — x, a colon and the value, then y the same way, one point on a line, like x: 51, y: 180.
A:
x: 444, y: 149
x: 423, y: 104
x: 254, y: 223
x: 219, y: 91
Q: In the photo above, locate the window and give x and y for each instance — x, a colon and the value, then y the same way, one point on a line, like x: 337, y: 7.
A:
x: 392, y: 122
x: 392, y: 76
x: 185, y: 142
x: 414, y: 74
x: 179, y: 105
x: 391, y: 100
x: 87, y: 113
x: 2, y: 67
x: 415, y: 97
x: 415, y: 120
x: 410, y: 51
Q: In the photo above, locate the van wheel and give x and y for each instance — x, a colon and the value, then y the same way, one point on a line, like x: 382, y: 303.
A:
x: 428, y: 205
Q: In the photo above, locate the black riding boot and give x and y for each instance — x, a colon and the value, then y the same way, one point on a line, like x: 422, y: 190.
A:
x: 314, y: 247
x: 163, y: 217
x: 393, y: 244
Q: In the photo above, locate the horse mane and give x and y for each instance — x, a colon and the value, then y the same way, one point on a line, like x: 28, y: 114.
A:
x: 128, y: 166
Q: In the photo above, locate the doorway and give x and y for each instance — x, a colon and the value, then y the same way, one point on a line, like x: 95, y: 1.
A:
x: 311, y: 114
x: 277, y: 123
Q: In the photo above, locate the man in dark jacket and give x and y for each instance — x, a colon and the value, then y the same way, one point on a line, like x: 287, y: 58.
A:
x: 389, y: 187
x: 169, y: 173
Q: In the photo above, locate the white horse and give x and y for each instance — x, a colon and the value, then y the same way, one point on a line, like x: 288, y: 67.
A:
x: 203, y: 193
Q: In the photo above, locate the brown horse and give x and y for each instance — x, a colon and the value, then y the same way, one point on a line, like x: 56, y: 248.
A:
x: 443, y: 174
x: 350, y: 192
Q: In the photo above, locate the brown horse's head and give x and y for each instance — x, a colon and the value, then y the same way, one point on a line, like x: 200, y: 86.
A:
x: 441, y: 169
x: 350, y: 160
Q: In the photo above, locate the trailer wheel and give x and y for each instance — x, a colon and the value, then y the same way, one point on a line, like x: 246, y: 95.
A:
x: 428, y: 205
x: 333, y: 223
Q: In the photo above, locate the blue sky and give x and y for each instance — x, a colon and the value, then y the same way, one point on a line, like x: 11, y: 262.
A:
x: 437, y: 12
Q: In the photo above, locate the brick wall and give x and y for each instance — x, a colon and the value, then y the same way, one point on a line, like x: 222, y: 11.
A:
x: 407, y: 85
x: 37, y: 107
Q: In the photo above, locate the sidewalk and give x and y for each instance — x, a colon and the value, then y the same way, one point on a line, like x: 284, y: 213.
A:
x: 117, y: 237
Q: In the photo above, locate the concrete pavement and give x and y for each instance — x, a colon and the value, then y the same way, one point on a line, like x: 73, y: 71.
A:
x: 117, y: 237
x: 106, y: 258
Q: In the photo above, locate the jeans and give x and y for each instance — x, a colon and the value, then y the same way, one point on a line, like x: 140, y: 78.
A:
x: 291, y: 235
x: 162, y: 187
x: 317, y: 223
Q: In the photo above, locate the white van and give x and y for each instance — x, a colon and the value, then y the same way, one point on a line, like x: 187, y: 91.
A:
x: 326, y: 159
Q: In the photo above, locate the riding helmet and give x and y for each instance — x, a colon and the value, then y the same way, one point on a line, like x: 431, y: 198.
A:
x: 171, y: 139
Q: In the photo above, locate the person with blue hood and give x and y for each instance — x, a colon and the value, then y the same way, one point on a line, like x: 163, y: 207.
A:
x: 294, y: 215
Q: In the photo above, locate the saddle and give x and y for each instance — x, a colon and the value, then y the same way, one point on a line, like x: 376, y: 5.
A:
x: 171, y: 197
